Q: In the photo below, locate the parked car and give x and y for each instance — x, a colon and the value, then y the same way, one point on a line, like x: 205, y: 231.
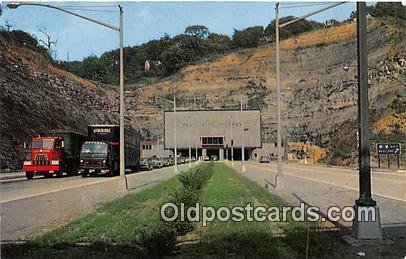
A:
x: 206, y: 158
x: 146, y: 164
x: 181, y: 160
x: 264, y: 159
x: 156, y: 162
x: 214, y: 158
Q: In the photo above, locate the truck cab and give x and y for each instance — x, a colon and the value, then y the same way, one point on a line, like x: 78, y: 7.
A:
x: 55, y: 152
x: 45, y: 157
x: 98, y: 156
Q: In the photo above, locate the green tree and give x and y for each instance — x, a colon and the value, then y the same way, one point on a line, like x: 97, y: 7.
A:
x: 292, y: 29
x: 248, y: 37
x: 391, y: 9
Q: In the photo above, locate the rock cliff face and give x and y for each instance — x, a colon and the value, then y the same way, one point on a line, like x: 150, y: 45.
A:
x: 36, y: 97
x: 319, y: 89
x: 318, y: 78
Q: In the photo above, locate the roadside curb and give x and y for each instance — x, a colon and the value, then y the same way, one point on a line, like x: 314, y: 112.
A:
x: 11, y: 177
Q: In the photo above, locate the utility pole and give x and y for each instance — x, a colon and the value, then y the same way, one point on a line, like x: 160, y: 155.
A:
x: 196, y: 155
x: 364, y: 228
x: 122, y: 154
x: 14, y: 5
x: 232, y: 142
x: 176, y: 149
x: 279, y: 177
x: 190, y: 142
x: 243, y: 168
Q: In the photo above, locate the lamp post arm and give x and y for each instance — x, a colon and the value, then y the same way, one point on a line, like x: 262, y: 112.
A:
x: 163, y: 99
x: 310, y: 14
x: 15, y: 5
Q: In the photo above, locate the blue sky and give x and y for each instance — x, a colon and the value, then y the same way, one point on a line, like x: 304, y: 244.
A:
x: 144, y: 21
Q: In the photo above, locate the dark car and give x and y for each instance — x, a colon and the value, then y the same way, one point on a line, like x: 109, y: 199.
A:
x: 264, y: 159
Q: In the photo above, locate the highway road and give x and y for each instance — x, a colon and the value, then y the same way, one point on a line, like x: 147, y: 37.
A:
x: 30, y: 207
x: 330, y: 186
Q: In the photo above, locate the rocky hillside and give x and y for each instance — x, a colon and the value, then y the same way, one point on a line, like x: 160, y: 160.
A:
x: 319, y: 84
x: 36, y: 96
x: 319, y: 90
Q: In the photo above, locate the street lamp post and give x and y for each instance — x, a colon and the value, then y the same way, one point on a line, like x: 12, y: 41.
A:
x: 14, y: 5
x: 190, y: 142
x: 364, y: 228
x: 243, y: 168
x: 279, y: 178
x: 232, y: 142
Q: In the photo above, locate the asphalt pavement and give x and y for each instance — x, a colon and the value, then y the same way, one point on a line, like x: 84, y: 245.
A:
x: 31, y: 207
x: 325, y: 187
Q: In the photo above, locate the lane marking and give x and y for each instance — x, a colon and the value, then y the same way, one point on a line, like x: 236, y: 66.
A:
x: 54, y: 191
x: 82, y: 185
x: 335, y: 173
x: 337, y: 185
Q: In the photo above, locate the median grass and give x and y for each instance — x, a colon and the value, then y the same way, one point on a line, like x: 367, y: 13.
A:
x: 131, y: 226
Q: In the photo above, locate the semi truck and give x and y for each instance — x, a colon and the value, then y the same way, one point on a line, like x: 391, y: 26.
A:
x: 101, y: 151
x: 55, y: 152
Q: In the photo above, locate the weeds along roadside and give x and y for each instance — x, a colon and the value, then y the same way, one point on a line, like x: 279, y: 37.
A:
x: 162, y: 239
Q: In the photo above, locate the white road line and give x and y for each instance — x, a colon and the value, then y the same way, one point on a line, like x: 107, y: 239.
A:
x: 58, y: 190
x: 325, y: 182
x: 349, y: 174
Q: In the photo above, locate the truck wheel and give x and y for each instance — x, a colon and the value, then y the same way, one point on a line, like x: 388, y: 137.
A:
x: 59, y: 174
x: 29, y: 175
x: 85, y: 173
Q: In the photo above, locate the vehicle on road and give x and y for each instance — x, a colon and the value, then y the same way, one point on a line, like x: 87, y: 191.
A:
x: 146, y: 164
x: 214, y: 158
x: 264, y: 159
x: 166, y: 161
x: 56, y: 152
x: 101, y: 151
x: 156, y: 162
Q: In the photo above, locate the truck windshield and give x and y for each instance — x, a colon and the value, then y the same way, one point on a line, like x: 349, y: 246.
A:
x: 96, y: 148
x: 43, y: 143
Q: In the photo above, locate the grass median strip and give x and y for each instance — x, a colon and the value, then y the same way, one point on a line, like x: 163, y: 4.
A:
x: 132, y: 226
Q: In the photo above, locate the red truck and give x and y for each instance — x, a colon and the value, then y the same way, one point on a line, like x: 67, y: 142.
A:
x: 56, y: 152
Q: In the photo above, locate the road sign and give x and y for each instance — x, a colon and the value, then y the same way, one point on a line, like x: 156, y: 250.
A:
x: 388, y: 149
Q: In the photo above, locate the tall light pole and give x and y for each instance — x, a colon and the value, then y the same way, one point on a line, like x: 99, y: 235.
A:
x: 243, y: 168
x: 174, y: 127
x: 190, y: 142
x: 364, y: 228
x: 279, y: 178
x: 232, y: 142
x: 14, y: 5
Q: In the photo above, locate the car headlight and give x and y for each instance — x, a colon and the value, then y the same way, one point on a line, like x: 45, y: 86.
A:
x: 104, y: 161
x: 27, y: 162
x: 55, y: 162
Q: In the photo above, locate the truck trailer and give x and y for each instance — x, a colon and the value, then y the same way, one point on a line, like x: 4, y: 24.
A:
x: 101, y: 151
x: 56, y: 152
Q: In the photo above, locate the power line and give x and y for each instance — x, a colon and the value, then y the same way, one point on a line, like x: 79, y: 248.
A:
x: 302, y: 5
x: 91, y: 10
